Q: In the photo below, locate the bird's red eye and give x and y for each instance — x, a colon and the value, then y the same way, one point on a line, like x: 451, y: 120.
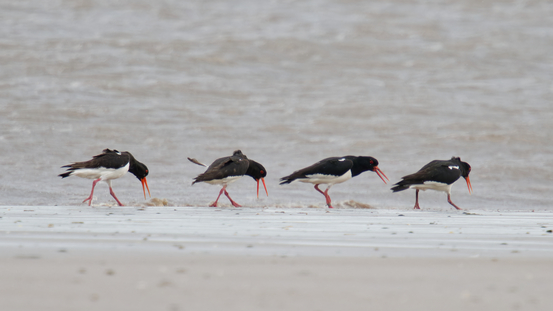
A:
x: 261, y: 171
x: 372, y: 162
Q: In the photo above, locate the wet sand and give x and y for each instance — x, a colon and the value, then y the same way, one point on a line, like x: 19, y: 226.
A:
x: 123, y: 281
x: 200, y: 258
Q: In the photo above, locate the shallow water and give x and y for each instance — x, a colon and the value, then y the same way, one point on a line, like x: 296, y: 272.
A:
x: 288, y: 83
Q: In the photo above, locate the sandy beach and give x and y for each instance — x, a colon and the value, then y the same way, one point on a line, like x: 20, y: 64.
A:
x: 201, y: 258
x: 124, y: 281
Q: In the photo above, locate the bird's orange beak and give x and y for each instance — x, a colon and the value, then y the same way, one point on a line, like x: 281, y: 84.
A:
x: 379, y: 172
x: 468, y: 184
x: 263, y: 180
x: 144, y: 182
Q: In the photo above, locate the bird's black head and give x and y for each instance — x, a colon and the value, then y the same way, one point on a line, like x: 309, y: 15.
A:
x: 465, y: 171
x: 140, y: 170
x: 257, y: 172
x: 362, y: 164
x: 368, y: 163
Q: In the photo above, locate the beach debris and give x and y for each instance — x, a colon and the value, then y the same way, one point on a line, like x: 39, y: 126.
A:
x: 157, y: 202
x: 180, y: 270
x: 355, y: 204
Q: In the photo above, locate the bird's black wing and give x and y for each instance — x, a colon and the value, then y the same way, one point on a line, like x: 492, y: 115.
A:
x: 224, y: 167
x: 109, y: 159
x: 330, y: 166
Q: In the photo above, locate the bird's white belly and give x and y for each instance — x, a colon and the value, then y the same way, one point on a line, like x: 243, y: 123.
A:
x: 102, y: 172
x: 432, y: 185
x: 326, y: 179
x: 224, y: 181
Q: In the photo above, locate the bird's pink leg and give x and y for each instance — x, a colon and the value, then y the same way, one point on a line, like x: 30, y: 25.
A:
x: 327, y: 198
x: 325, y: 193
x: 231, y: 201
x: 449, y: 200
x: 89, y: 199
x: 220, y: 192
x: 113, y: 195
x: 417, y: 200
x: 317, y: 188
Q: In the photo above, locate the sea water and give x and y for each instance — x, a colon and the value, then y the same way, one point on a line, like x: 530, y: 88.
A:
x: 287, y: 82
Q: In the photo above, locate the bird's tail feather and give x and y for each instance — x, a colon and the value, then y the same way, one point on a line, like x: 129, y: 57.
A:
x: 66, y: 174
x: 286, y: 180
x: 196, y: 162
x: 400, y: 186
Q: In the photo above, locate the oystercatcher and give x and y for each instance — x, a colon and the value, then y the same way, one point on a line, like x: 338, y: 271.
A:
x: 226, y: 170
x: 111, y: 164
x: 437, y: 175
x: 334, y: 170
x: 255, y: 171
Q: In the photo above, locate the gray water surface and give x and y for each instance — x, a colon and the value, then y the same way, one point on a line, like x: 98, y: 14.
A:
x: 288, y: 83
